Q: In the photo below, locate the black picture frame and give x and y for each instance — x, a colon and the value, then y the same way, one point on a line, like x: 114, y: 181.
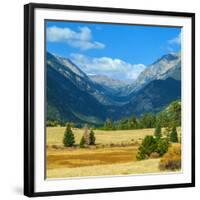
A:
x: 29, y: 94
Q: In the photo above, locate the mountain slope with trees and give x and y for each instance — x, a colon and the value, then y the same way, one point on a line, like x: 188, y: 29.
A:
x: 73, y: 97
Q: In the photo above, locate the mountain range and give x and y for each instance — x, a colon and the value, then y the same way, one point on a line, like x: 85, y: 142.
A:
x: 75, y: 96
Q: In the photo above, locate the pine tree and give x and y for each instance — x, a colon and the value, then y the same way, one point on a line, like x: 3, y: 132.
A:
x: 157, y: 132
x: 92, y: 137
x: 174, y: 135
x: 82, y: 142
x: 68, y: 139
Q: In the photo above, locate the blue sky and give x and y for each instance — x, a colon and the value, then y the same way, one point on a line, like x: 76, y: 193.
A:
x: 118, y: 51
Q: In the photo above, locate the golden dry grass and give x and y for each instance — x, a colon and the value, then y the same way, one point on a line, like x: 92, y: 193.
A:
x: 72, y: 158
x: 139, y: 167
x: 75, y: 162
x: 55, y: 135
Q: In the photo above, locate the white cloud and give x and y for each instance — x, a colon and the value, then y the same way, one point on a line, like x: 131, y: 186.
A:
x: 114, y: 68
x: 176, y: 40
x: 81, y: 39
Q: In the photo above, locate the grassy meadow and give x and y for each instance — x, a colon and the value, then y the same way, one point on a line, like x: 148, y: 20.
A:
x: 114, y: 154
x: 55, y: 136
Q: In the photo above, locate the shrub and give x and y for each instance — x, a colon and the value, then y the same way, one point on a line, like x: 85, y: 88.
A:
x: 68, y: 139
x: 151, y: 145
x: 174, y: 135
x: 82, y: 142
x: 148, y: 145
x: 92, y: 137
x: 172, y: 159
x: 112, y: 144
x: 58, y: 147
x: 162, y: 146
x: 54, y: 146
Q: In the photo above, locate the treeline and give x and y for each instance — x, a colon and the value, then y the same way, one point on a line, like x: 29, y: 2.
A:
x: 170, y: 117
x: 55, y: 123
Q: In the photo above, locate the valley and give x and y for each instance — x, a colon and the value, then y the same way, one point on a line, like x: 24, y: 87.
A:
x: 113, y: 101
x: 74, y: 96
x: 121, y: 115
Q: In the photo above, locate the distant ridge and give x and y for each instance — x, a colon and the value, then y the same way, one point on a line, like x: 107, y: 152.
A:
x: 165, y: 67
x: 74, y: 96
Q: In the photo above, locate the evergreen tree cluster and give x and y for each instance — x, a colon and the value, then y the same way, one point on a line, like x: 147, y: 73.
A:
x: 88, y: 137
x: 170, y: 117
x: 157, y: 143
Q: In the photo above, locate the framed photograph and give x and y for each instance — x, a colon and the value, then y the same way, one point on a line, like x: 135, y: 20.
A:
x: 108, y: 99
